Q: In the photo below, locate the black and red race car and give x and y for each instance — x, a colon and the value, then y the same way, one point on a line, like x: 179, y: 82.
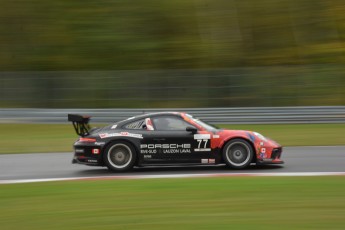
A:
x: 168, y: 138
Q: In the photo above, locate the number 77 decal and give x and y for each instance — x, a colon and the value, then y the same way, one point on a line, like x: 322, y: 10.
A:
x: 200, y: 142
x: 202, y: 145
x: 203, y: 142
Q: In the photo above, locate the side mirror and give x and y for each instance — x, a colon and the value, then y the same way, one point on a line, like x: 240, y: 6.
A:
x: 191, y: 129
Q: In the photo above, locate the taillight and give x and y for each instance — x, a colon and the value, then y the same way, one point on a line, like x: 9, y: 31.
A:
x: 82, y: 139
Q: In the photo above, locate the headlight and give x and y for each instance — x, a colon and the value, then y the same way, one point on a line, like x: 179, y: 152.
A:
x: 260, y: 136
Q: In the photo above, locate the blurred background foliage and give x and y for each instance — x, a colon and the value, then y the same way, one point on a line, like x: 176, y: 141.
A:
x: 181, y: 53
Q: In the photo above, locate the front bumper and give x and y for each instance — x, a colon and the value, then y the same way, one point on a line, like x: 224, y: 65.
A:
x: 273, y: 157
x: 269, y: 161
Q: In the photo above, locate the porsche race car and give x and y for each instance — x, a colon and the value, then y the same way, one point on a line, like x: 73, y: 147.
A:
x: 169, y: 138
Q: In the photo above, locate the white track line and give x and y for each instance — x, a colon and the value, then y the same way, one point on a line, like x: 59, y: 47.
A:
x: 287, y: 174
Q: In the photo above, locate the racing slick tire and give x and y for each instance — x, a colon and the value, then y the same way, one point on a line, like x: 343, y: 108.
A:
x: 238, y: 153
x: 119, y: 156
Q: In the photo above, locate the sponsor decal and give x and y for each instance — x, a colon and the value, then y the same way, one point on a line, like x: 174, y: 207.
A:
x: 103, y: 135
x: 202, y: 150
x: 202, y: 136
x: 148, y: 151
x: 147, y: 156
x: 176, y: 151
x: 79, y: 150
x: 92, y: 161
x: 122, y: 134
x: 165, y: 148
x: 113, y: 127
x: 208, y: 161
x: 99, y: 143
x: 95, y: 151
x: 263, y: 155
x: 261, y: 143
x: 215, y: 136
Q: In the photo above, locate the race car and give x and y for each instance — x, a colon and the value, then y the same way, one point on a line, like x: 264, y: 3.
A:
x: 169, y: 138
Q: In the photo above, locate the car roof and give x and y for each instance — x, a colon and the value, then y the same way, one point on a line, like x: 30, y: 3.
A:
x: 154, y: 114
x: 145, y: 115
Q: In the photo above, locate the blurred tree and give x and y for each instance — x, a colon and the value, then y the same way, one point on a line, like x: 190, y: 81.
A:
x: 223, y: 51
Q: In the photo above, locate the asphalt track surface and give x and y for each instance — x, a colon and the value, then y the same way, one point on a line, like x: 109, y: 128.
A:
x: 58, y: 165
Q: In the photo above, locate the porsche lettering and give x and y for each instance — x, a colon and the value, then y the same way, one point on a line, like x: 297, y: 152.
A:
x: 165, y: 146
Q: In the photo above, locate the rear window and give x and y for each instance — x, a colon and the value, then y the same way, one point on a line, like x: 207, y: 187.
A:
x: 135, y: 125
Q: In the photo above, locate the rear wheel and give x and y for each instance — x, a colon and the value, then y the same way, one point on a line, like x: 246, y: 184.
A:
x: 238, y: 153
x: 119, y: 156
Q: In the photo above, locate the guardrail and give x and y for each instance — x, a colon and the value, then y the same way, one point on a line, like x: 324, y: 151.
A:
x: 243, y: 115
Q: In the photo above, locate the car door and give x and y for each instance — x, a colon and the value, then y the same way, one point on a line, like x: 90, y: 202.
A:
x: 169, y: 142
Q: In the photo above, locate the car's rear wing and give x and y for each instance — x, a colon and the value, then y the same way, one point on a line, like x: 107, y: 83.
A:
x: 80, y: 124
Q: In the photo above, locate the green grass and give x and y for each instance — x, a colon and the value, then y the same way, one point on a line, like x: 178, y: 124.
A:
x: 199, y: 203
x: 32, y: 138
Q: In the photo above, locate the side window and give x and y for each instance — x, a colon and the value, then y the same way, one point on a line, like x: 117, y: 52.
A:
x: 135, y: 125
x: 170, y: 123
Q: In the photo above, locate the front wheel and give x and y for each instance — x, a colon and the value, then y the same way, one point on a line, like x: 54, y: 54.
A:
x: 119, y: 156
x: 238, y: 153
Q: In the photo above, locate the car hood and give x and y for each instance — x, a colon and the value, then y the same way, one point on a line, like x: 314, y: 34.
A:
x: 254, y: 137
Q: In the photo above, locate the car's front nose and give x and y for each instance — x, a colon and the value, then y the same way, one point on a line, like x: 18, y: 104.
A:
x: 269, y: 152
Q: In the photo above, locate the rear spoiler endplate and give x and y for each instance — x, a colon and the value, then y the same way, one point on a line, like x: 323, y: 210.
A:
x: 80, y: 124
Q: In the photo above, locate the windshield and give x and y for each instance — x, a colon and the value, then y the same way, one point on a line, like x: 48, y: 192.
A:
x: 205, y: 125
